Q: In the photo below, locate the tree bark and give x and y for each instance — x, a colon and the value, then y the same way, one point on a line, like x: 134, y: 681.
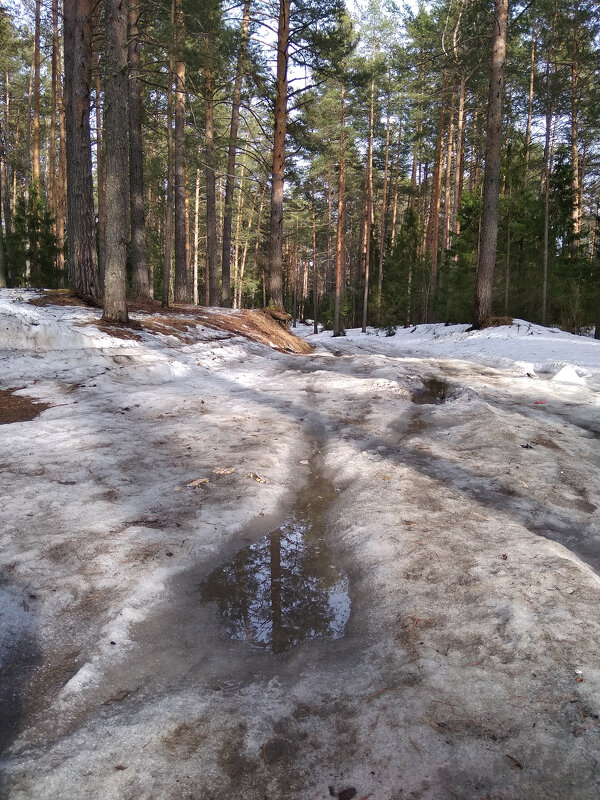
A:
x: 339, y: 239
x: 576, y: 211
x: 116, y: 148
x: 7, y: 150
x: 168, y: 242
x: 315, y: 272
x: 195, y: 297
x: 231, y: 159
x: 547, y: 171
x: 55, y: 59
x: 61, y: 186
x: 368, y: 210
x: 211, y: 196
x: 141, y: 288
x: 35, y: 150
x: 529, y: 112
x: 460, y: 157
x: 431, y: 241
x: 382, y: 229
x: 100, y: 163
x: 2, y: 264
x: 83, y: 261
x: 491, y: 184
x: 448, y: 180
x: 182, y: 275
x: 278, y: 169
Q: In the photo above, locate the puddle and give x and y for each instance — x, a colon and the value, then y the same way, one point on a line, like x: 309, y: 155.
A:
x: 433, y: 392
x: 15, y: 408
x: 417, y: 424
x: 284, y: 589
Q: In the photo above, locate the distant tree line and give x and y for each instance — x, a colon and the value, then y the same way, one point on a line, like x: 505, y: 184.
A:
x: 390, y: 169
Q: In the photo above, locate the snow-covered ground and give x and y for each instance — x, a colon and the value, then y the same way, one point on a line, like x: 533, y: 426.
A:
x: 468, y: 532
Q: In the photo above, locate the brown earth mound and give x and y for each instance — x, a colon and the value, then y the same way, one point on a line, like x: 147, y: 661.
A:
x: 268, y: 326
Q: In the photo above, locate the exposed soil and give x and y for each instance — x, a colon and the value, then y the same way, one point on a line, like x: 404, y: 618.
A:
x: 18, y: 408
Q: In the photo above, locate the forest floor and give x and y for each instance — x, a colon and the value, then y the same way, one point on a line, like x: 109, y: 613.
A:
x: 436, y: 495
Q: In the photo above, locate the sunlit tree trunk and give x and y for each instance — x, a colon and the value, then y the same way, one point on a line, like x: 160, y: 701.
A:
x: 116, y: 144
x: 431, y: 242
x: 396, y: 188
x: 315, y: 271
x: 368, y: 210
x: 182, y: 274
x: 168, y: 238
x: 141, y: 288
x: 61, y: 186
x: 2, y: 264
x: 529, y: 112
x: 460, y: 157
x: 576, y: 210
x: 196, y: 239
x: 211, y: 197
x: 83, y: 262
x: 339, y: 239
x: 491, y: 184
x: 6, y: 159
x: 55, y: 59
x: 448, y: 178
x: 238, y: 226
x: 231, y: 159
x: 35, y: 150
x: 547, y: 171
x: 100, y: 162
x: 382, y: 229
x: 278, y: 169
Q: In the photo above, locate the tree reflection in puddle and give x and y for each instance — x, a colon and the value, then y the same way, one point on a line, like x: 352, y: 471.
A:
x: 283, y: 589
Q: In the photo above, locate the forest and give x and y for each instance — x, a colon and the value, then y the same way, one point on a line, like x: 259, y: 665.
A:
x: 379, y: 165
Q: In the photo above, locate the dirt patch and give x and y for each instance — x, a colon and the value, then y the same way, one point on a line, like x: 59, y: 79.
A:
x: 267, y: 326
x: 258, y: 326
x: 14, y: 408
x: 118, y: 331
x: 59, y: 297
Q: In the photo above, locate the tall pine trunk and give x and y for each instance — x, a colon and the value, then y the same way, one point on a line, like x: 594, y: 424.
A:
x: 231, y: 159
x: 431, y: 241
x: 339, y: 239
x: 547, y: 171
x: 100, y: 163
x: 529, y: 112
x: 168, y: 238
x: 141, y: 288
x: 116, y: 148
x: 576, y: 210
x: 382, y: 229
x: 368, y: 210
x: 61, y: 186
x: 35, y: 150
x: 211, y: 195
x: 83, y: 261
x: 195, y: 297
x: 278, y: 169
x: 5, y: 176
x: 491, y: 184
x: 460, y: 157
x: 2, y: 264
x: 182, y: 274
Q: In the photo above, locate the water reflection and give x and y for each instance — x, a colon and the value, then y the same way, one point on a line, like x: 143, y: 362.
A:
x: 283, y: 589
x: 433, y: 392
